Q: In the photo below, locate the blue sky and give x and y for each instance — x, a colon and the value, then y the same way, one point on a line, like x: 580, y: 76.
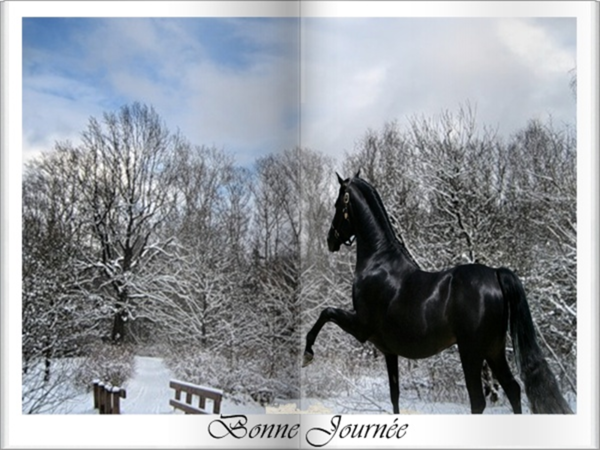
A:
x: 235, y: 83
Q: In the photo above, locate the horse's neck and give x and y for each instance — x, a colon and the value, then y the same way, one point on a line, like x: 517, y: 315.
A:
x: 375, y: 234
x: 366, y: 250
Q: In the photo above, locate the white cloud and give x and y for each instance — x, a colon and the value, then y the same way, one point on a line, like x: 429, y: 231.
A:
x: 356, y: 75
x: 56, y: 109
x: 363, y: 73
x: 535, y: 46
x: 163, y: 63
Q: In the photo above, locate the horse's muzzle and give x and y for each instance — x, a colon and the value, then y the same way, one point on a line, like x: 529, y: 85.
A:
x: 333, y: 240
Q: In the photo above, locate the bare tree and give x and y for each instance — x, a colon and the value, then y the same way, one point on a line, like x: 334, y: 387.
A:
x: 544, y: 192
x: 51, y: 235
x: 124, y: 169
x: 192, y: 284
x: 277, y: 229
x: 460, y: 174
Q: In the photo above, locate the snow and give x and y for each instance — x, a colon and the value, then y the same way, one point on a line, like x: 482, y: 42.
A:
x: 148, y: 392
x: 354, y: 404
x: 193, y: 386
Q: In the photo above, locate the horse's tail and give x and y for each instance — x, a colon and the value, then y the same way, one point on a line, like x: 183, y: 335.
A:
x: 540, y: 385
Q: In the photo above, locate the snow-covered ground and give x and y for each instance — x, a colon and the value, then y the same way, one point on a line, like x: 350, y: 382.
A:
x: 356, y: 405
x: 148, y: 392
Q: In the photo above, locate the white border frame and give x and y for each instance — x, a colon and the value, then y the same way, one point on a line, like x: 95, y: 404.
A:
x: 42, y: 431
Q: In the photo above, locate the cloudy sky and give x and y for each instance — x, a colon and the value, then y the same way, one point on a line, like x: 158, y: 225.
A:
x: 255, y: 86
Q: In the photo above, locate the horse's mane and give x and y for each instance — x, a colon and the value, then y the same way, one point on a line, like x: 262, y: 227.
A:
x: 374, y: 200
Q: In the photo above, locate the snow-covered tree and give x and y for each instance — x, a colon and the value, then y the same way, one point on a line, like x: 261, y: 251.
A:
x: 124, y: 172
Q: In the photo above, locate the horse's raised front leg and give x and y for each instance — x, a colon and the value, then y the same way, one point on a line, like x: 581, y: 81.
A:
x: 346, y: 320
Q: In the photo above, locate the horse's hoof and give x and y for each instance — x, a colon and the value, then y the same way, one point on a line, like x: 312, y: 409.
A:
x: 308, y: 358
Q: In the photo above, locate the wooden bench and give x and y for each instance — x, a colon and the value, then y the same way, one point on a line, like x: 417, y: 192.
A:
x: 107, y: 398
x: 191, y: 390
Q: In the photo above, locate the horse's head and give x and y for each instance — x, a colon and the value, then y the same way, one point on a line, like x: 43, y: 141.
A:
x: 342, y: 230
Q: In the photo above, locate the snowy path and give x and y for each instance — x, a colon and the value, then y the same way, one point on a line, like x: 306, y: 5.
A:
x: 148, y: 390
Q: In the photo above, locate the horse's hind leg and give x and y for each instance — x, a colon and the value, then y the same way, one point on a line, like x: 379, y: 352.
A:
x: 391, y: 362
x: 472, y: 363
x: 500, y: 368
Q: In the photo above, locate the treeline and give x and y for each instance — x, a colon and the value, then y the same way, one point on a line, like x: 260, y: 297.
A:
x: 135, y: 235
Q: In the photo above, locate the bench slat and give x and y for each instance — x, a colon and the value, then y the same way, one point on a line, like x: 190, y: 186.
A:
x: 213, y: 394
x: 190, y: 390
x: 188, y: 409
x: 217, y: 407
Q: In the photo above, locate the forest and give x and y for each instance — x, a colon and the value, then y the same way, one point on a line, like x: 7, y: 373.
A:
x: 136, y: 240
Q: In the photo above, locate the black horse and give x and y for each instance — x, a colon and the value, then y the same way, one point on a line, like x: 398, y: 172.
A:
x: 405, y: 311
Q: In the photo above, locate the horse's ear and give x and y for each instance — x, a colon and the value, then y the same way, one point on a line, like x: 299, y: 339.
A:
x: 357, y: 174
x: 340, y: 179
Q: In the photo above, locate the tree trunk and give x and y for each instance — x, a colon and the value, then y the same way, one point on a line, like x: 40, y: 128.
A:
x: 47, y: 364
x: 118, y: 329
